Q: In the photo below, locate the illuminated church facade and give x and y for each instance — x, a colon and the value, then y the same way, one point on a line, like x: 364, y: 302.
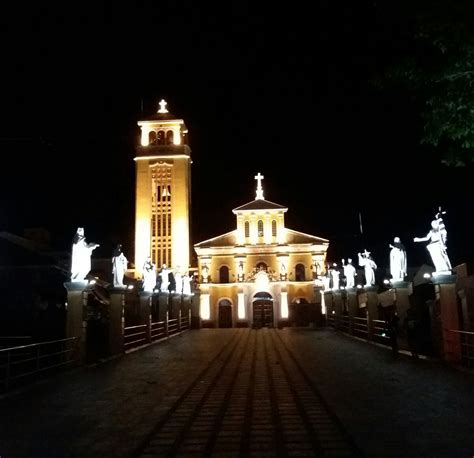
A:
x: 251, y: 275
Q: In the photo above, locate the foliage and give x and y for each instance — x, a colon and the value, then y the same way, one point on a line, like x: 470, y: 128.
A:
x: 437, y: 67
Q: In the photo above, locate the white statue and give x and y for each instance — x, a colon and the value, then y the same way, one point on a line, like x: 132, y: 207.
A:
x: 326, y: 279
x: 335, y: 276
x: 349, y: 273
x: 119, y: 266
x: 366, y: 261
x: 187, y: 284
x: 398, y: 260
x: 240, y: 272
x: 437, y: 246
x: 205, y: 273
x: 178, y: 279
x: 165, y: 281
x: 81, y: 256
x: 149, y: 275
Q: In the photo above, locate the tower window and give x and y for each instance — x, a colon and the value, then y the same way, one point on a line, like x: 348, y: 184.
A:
x: 260, y: 228
x: 247, y: 229
x: 161, y: 138
x: 152, y: 138
x: 169, y: 137
x: 274, y: 228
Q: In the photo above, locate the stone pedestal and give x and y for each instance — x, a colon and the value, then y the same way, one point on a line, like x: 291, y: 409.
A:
x: 370, y: 297
x: 163, y: 305
x: 146, y: 300
x: 195, y: 310
x: 403, y: 291
x: 175, y: 305
x: 76, y: 319
x: 445, y: 289
x: 338, y: 302
x: 329, y: 302
x: 116, y: 321
x: 352, y: 307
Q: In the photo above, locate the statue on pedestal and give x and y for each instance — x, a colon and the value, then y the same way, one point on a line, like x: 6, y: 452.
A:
x: 119, y: 266
x: 165, y: 278
x: 149, y: 275
x: 349, y: 273
x: 366, y: 261
x: 187, y: 284
x: 81, y: 256
x: 398, y: 260
x: 205, y: 273
x: 437, y: 236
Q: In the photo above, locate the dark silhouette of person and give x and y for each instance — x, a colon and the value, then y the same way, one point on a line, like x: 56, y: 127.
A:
x: 410, y: 324
x: 392, y: 331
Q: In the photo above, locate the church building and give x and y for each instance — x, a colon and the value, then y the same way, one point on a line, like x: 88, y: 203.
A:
x: 251, y: 275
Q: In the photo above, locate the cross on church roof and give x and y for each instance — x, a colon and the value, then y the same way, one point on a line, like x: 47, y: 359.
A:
x: 162, y: 105
x: 259, y: 179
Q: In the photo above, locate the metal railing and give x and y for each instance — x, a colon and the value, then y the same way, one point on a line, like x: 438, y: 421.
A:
x: 143, y: 334
x: 26, y: 362
x: 13, y: 341
x: 360, y: 327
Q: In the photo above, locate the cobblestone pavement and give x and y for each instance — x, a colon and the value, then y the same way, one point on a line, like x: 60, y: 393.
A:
x: 242, y: 392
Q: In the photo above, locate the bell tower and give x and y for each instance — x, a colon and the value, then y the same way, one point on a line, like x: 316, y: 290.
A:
x: 163, y: 186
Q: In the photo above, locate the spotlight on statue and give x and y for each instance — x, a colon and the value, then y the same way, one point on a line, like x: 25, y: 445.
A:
x: 359, y: 286
x: 130, y: 287
x: 92, y: 282
x: 427, y: 275
x: 386, y: 282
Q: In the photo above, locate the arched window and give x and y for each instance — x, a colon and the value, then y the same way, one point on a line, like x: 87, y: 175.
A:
x: 169, y: 137
x: 274, y: 228
x: 160, y: 138
x: 299, y: 272
x: 152, y: 138
x: 223, y: 274
x: 262, y: 266
x: 260, y: 228
x: 247, y: 229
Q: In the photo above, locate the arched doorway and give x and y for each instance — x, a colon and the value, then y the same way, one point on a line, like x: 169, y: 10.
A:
x: 263, y: 310
x: 225, y: 313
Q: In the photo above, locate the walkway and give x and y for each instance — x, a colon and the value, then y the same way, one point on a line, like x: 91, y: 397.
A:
x: 241, y: 392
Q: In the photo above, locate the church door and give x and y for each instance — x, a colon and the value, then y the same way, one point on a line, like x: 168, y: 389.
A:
x: 225, y: 314
x: 263, y: 313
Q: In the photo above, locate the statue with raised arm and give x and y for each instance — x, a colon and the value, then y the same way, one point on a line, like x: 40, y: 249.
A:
x: 437, y: 237
x: 366, y: 261
x: 81, y: 256
x: 398, y: 260
x: 165, y: 278
x: 349, y: 273
x: 119, y: 266
x: 187, y: 284
x: 149, y: 275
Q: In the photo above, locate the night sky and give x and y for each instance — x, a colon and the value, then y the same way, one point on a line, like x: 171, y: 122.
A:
x: 279, y: 90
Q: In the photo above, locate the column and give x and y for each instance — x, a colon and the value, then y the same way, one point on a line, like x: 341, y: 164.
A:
x: 445, y: 289
x: 76, y: 318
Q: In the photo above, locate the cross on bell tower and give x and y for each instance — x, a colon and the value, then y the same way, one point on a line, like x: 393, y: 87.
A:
x: 162, y: 105
x: 259, y: 179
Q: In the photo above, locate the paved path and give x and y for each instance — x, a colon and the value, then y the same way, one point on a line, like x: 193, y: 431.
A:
x: 241, y: 392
